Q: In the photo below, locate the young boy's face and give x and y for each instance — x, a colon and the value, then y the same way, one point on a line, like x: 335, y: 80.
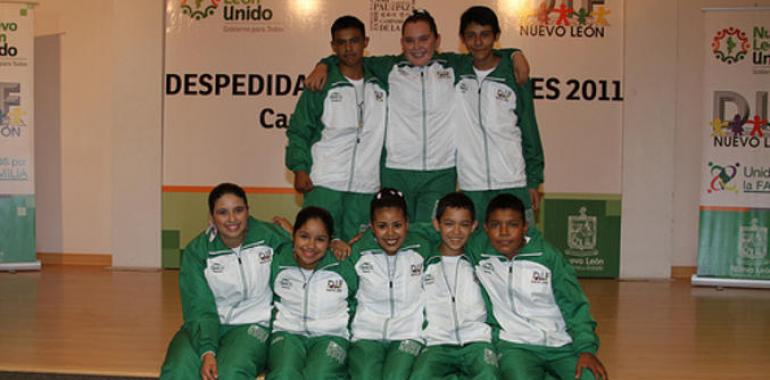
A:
x: 479, y: 40
x: 455, y: 226
x: 349, y: 44
x: 419, y: 42
x: 506, y: 229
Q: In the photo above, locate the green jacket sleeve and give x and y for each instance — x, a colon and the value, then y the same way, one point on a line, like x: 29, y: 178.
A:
x: 532, y: 148
x: 573, y: 304
x: 199, y: 310
x: 304, y: 130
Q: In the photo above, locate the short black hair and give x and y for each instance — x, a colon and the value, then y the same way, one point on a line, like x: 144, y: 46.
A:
x: 348, y: 21
x: 388, y: 197
x: 225, y: 188
x: 505, y: 201
x: 421, y: 15
x: 455, y: 200
x: 312, y: 212
x: 480, y: 15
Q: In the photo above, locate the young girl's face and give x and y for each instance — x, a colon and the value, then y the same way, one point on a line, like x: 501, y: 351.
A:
x: 311, y: 240
x: 389, y: 226
x: 231, y: 217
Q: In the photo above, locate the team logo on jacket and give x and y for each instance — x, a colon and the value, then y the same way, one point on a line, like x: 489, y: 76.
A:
x: 541, y: 277
x: 463, y: 87
x: 416, y: 270
x: 217, y: 268
x: 504, y: 94
x: 443, y: 74
x: 379, y: 96
x: 335, y: 97
x: 285, y: 283
x: 334, y: 286
x: 488, y: 268
x: 428, y: 279
x: 264, y: 257
x: 367, y: 268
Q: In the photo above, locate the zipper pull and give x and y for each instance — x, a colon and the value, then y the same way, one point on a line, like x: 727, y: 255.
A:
x: 391, y: 284
x: 453, y: 299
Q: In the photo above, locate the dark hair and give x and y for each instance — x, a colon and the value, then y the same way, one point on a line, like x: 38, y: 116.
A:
x: 505, y: 202
x: 421, y: 15
x: 348, y: 21
x: 455, y: 200
x: 479, y: 15
x: 388, y: 197
x: 225, y: 188
x: 312, y: 212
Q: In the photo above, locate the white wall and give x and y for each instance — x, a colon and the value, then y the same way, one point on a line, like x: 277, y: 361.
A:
x: 98, y: 188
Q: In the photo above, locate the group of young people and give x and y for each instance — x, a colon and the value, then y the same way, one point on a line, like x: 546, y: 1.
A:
x: 384, y: 274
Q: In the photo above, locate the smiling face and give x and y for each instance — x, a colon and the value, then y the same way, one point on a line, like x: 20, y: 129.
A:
x: 480, y: 42
x: 230, y: 217
x: 506, y: 229
x: 349, y: 44
x: 455, y: 226
x: 389, y: 226
x: 311, y: 240
x: 419, y: 42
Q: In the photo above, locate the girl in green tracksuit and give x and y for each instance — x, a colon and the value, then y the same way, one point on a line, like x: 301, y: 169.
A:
x: 226, y: 299
x: 388, y: 321
x: 314, y: 298
x: 542, y: 323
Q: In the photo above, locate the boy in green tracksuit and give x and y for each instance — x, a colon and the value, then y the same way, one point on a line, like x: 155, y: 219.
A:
x: 388, y: 320
x: 314, y: 298
x: 457, y: 337
x: 226, y: 298
x: 542, y: 323
x: 336, y: 135
x: 495, y: 120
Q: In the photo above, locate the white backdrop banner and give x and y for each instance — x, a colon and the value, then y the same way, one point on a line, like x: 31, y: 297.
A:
x: 735, y: 195
x: 235, y: 69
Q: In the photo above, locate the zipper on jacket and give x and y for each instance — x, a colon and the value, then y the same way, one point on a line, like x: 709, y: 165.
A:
x: 245, y: 291
x: 454, y: 298
x: 359, y: 127
x: 306, y: 289
x: 484, y: 134
x: 390, y: 293
x: 424, y: 123
x: 510, y: 286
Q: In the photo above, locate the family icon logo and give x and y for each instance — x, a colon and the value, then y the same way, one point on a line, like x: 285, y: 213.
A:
x: 730, y: 45
x: 568, y: 18
x: 722, y: 178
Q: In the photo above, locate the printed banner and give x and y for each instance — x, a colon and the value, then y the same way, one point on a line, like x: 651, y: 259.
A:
x: 735, y: 196
x: 17, y: 186
x: 235, y: 69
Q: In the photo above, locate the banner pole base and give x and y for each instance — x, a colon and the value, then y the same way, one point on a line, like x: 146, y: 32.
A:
x: 16, y: 267
x: 696, y: 280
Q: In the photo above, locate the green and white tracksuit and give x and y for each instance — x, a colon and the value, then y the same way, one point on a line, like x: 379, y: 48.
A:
x: 540, y: 314
x: 501, y: 149
x: 336, y: 136
x: 312, y: 313
x: 388, y: 321
x: 456, y: 334
x: 226, y: 304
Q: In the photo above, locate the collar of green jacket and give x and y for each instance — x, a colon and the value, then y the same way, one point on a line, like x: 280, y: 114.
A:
x: 286, y: 258
x: 255, y: 235
x: 337, y: 79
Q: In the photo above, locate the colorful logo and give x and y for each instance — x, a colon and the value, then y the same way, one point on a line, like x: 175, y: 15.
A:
x: 722, y: 177
x: 730, y: 45
x: 199, y: 9
x: 546, y: 19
